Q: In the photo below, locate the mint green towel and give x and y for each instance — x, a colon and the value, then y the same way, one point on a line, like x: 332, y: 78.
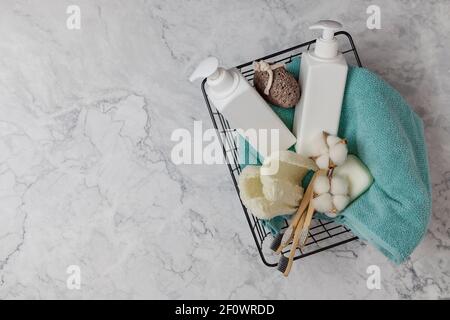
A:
x: 384, y: 132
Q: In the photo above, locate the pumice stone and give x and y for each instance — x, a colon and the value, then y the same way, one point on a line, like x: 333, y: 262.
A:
x: 275, y: 84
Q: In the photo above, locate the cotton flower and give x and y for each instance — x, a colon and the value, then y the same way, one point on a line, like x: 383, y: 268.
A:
x: 338, y: 153
x: 323, y: 203
x: 333, y: 140
x: 331, y: 194
x: 321, y: 184
x: 319, y: 146
x: 323, y: 161
x: 328, y: 151
x: 340, y: 202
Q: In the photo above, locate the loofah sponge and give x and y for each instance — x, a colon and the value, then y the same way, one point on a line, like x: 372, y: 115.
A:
x: 281, y: 174
x: 274, y: 188
x: 252, y: 196
x: 284, y: 90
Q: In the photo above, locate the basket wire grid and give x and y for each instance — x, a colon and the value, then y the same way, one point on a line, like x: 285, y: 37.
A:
x: 323, y: 234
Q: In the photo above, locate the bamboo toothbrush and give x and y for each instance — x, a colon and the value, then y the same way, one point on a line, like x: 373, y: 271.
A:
x: 285, y: 264
x: 307, y: 223
x: 283, y: 239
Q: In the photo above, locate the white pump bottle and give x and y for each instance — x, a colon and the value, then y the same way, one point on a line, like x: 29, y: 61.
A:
x: 244, y: 108
x: 323, y: 73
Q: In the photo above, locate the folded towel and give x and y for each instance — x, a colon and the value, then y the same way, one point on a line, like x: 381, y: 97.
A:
x: 384, y: 132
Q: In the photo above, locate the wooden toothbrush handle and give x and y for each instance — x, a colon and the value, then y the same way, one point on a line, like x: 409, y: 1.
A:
x: 305, y: 201
x: 294, y: 246
x: 309, y: 213
x: 301, y: 220
x: 306, y: 223
x: 301, y: 212
x: 309, y: 216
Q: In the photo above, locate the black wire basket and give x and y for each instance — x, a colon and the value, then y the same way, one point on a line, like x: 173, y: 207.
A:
x: 323, y: 234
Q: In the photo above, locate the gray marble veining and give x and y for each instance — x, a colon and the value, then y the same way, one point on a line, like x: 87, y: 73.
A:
x: 86, y: 176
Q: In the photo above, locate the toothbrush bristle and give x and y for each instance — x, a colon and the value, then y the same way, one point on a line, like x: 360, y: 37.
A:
x: 276, y: 242
x: 287, y: 235
x: 283, y: 264
x: 303, y: 236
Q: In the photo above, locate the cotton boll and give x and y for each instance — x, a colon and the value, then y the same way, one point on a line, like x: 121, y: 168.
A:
x: 339, y: 185
x: 331, y: 214
x: 323, y: 203
x: 340, y: 202
x: 323, y: 161
x: 321, y: 184
x: 338, y: 153
x: 333, y: 140
x: 318, y: 146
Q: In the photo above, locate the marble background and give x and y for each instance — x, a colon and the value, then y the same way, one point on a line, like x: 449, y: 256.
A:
x: 85, y: 171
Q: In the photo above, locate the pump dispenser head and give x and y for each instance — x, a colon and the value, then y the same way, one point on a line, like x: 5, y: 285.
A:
x: 326, y: 45
x: 220, y: 81
x: 207, y: 68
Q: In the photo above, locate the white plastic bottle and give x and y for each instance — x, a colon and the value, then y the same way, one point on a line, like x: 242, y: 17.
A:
x: 323, y: 73
x: 244, y: 108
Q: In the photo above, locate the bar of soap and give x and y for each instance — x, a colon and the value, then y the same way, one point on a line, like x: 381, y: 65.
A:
x: 358, y: 176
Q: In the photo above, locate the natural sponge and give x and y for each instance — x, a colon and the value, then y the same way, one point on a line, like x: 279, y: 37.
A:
x: 251, y: 192
x: 276, y: 84
x: 274, y: 188
x: 281, y: 175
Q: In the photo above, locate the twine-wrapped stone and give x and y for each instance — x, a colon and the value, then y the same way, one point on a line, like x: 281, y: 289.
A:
x: 275, y: 84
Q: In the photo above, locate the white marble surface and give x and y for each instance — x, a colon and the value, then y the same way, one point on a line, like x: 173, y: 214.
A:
x: 85, y: 172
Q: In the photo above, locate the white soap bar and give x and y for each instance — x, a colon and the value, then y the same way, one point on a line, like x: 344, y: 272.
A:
x: 358, y: 175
